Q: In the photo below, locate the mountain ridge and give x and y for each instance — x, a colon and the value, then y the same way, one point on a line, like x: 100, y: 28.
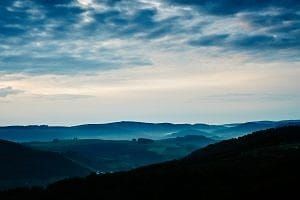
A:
x: 128, y: 130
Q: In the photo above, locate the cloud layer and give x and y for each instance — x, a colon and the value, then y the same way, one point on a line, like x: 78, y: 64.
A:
x: 6, y: 91
x: 70, y: 36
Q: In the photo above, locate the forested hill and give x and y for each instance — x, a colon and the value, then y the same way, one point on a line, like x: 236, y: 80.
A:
x: 263, y: 165
x: 20, y: 166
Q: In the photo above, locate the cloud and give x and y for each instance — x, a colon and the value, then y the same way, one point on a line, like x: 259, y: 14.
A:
x: 261, y: 41
x: 75, y: 36
x: 62, y: 97
x: 60, y: 64
x: 266, y: 24
x: 251, y: 96
x: 6, y: 91
x: 229, y: 7
x: 247, y: 42
x: 210, y: 40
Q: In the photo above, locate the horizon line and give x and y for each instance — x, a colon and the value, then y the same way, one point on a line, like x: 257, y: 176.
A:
x: 146, y: 122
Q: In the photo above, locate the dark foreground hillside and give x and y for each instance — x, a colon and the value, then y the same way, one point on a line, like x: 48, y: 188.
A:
x: 263, y: 165
x: 21, y: 166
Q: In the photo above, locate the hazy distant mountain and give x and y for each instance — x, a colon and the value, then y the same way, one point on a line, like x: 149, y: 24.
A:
x: 21, y: 166
x: 236, y: 130
x: 262, y: 165
x: 117, y: 130
x: 129, y: 130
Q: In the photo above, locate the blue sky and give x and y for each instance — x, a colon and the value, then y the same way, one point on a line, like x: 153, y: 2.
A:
x: 90, y: 61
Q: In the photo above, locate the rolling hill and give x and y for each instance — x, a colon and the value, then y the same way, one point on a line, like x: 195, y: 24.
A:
x: 119, y: 155
x: 129, y: 130
x: 262, y: 165
x: 117, y: 131
x: 23, y: 166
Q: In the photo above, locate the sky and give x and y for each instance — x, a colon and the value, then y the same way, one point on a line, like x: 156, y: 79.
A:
x: 66, y: 62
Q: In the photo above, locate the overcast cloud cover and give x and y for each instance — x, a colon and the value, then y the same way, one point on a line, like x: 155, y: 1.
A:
x: 77, y: 61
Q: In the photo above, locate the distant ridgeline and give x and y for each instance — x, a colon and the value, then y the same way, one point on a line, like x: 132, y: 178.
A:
x: 130, y: 130
x: 262, y: 165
